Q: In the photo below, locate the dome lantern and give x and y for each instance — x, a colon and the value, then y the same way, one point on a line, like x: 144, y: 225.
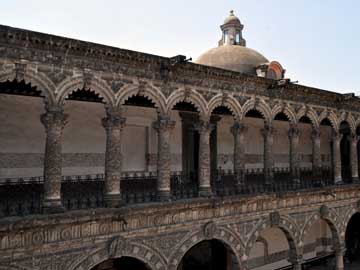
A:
x: 232, y: 31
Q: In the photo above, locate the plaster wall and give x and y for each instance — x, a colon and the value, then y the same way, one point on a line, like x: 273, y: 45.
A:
x: 22, y: 139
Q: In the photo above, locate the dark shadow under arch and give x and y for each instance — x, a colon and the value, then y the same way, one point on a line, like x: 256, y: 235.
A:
x: 209, y: 255
x: 281, y: 117
x: 352, y: 238
x: 254, y: 113
x: 122, y: 263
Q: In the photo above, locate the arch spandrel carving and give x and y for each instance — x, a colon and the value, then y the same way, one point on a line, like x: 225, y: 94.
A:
x: 22, y: 72
x: 281, y: 107
x: 229, y: 102
x: 187, y: 95
x: 118, y: 247
x: 144, y: 89
x: 89, y: 82
x: 258, y: 104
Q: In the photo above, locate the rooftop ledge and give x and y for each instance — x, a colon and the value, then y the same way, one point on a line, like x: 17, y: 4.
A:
x: 10, y: 36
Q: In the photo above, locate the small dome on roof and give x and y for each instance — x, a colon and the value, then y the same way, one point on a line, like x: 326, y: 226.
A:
x: 232, y: 57
x: 232, y: 53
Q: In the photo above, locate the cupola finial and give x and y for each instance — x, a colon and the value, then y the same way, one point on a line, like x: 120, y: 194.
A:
x: 232, y: 31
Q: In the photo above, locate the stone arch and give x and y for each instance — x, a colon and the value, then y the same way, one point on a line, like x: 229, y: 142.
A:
x: 330, y: 217
x: 331, y: 116
x: 310, y: 113
x: 347, y: 216
x: 209, y: 232
x: 348, y: 118
x: 119, y: 247
x: 74, y: 83
x: 187, y: 95
x: 229, y: 102
x: 259, y: 105
x: 357, y: 123
x: 145, y: 90
x: 287, y: 110
x: 286, y: 225
x: 38, y: 79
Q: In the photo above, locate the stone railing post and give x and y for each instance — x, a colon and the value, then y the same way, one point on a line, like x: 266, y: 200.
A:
x: 336, y: 138
x: 296, y: 260
x: 204, y: 127
x: 316, y: 152
x: 294, y: 134
x: 354, y: 158
x: 239, y: 130
x: 268, y: 135
x: 113, y: 125
x: 339, y: 255
x: 54, y: 121
x: 163, y: 126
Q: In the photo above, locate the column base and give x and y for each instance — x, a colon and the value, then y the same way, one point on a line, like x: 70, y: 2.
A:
x: 338, y: 181
x: 113, y: 200
x: 163, y: 196
x: 355, y: 180
x: 52, y: 207
x: 205, y: 192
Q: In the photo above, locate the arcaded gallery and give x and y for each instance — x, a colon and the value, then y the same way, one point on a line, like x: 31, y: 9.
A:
x: 112, y: 159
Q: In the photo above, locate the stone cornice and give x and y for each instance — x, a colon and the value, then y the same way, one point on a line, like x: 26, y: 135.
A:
x: 44, y: 49
x: 157, y: 213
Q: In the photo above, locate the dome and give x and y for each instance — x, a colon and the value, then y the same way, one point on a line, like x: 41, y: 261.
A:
x: 233, y: 57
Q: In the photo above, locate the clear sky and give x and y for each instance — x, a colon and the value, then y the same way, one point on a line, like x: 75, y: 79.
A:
x: 317, y: 41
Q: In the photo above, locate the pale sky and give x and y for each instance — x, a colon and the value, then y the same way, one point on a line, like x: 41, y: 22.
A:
x: 316, y: 41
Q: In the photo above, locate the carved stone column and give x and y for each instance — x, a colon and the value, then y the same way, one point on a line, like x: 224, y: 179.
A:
x: 337, y: 157
x: 239, y: 130
x: 113, y: 125
x: 204, y: 128
x: 354, y: 158
x: 268, y: 135
x: 54, y: 121
x: 339, y: 260
x: 294, y: 134
x: 316, y: 152
x: 164, y: 126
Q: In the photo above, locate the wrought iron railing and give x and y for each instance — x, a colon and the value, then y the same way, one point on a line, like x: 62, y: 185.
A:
x: 24, y: 195
x: 183, y: 185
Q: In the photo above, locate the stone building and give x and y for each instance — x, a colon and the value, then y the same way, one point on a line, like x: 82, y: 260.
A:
x: 116, y: 159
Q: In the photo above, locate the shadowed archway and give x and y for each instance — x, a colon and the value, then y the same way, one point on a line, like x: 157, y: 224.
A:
x: 123, y: 263
x: 209, y: 255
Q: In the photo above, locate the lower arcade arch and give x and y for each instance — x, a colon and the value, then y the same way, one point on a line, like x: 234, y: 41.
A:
x: 122, y: 263
x: 352, y: 238
x: 209, y: 255
x: 318, y: 244
x: 274, y: 248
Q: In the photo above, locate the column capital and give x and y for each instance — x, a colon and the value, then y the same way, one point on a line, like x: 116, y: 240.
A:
x: 204, y: 126
x: 293, y: 132
x: 268, y: 130
x: 113, y: 120
x: 336, y: 135
x: 238, y: 128
x: 315, y: 133
x: 55, y: 118
x: 163, y: 123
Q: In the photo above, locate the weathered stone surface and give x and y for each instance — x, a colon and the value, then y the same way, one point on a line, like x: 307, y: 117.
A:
x: 113, y: 125
x: 54, y: 121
